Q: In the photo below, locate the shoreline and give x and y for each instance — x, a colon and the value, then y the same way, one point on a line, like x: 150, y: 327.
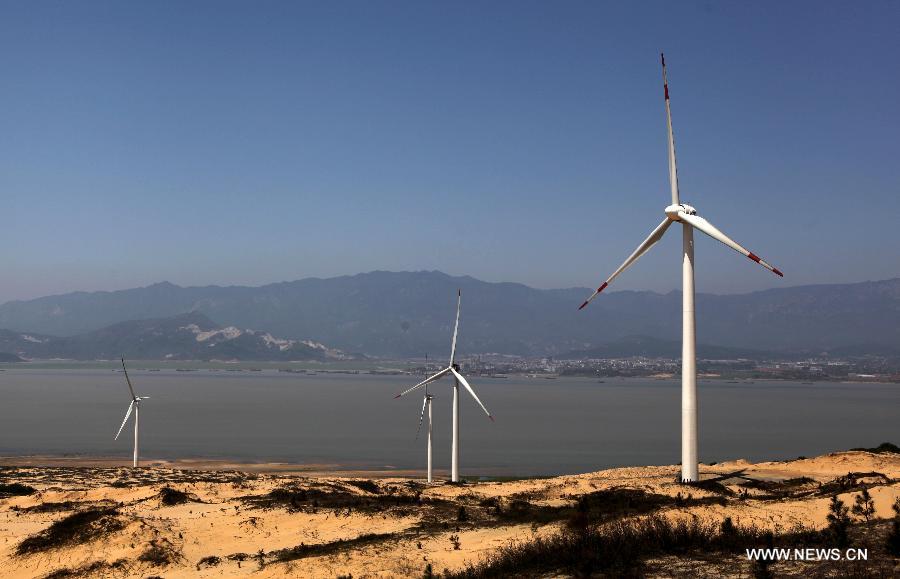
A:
x: 211, y: 465
x: 390, y: 368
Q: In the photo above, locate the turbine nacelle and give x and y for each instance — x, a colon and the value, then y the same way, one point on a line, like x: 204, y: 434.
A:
x: 673, y: 210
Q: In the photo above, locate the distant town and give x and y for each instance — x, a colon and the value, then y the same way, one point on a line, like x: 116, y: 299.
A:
x: 861, y: 369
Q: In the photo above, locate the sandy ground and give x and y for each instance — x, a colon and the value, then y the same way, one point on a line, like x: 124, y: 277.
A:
x: 245, y: 519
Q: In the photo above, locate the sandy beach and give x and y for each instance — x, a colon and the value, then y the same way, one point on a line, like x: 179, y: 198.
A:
x: 215, y: 519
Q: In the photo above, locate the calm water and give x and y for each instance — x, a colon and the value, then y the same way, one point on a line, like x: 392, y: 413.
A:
x: 543, y: 426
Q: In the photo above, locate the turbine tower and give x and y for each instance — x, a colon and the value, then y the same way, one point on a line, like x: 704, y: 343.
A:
x: 687, y: 216
x: 426, y: 404
x: 136, y: 406
x: 458, y: 379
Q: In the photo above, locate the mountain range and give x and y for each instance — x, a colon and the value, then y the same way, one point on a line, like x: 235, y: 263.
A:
x: 190, y: 336
x: 411, y: 313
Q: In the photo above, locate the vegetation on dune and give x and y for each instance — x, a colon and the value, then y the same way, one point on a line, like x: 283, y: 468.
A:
x: 159, y: 553
x: 295, y: 498
x: 96, y: 568
x: 838, y: 522
x: 864, y: 506
x: 892, y: 542
x: 75, y: 529
x: 618, y: 548
x: 365, y: 485
x: 339, y: 546
x: 882, y: 448
x: 853, y: 481
x: 592, y: 543
x: 15, y: 490
x: 169, y: 496
x: 604, y: 504
x: 209, y: 561
x: 63, y: 506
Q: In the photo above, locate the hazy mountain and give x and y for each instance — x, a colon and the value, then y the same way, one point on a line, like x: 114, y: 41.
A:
x: 190, y: 336
x: 410, y: 313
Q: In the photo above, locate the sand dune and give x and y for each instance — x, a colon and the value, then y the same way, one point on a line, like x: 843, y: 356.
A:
x: 210, y: 521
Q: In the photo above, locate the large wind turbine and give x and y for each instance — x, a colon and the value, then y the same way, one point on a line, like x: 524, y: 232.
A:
x: 687, y: 216
x: 458, y: 379
x: 136, y: 406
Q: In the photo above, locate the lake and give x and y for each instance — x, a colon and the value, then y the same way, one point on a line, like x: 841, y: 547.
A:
x: 542, y: 427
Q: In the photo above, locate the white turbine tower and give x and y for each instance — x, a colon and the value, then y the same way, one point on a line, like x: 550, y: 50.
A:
x: 136, y: 406
x: 687, y: 216
x: 458, y: 379
x: 426, y: 404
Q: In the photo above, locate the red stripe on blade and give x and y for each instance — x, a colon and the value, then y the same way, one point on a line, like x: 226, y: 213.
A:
x: 777, y: 271
x: 665, y: 86
x: 754, y: 257
x: 581, y: 307
x: 602, y: 287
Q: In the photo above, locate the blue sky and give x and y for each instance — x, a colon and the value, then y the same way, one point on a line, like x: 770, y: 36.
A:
x: 252, y: 142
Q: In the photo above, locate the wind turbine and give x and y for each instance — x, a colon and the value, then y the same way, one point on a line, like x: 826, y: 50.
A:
x: 687, y: 216
x: 426, y: 403
x: 136, y: 406
x: 458, y: 379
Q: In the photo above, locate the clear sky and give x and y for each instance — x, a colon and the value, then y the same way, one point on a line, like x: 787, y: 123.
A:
x: 252, y: 142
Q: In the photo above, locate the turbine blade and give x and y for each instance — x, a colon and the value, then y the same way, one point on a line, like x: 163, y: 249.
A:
x: 471, y: 391
x: 421, y: 416
x: 708, y: 228
x: 455, y: 327
x: 127, y: 414
x: 423, y: 382
x: 651, y: 240
x: 127, y: 379
x: 673, y: 171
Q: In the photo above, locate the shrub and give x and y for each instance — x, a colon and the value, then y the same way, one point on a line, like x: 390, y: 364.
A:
x: 881, y: 448
x: 864, y: 506
x: 893, y: 537
x: 16, y: 490
x: 169, y: 497
x: 760, y: 567
x: 157, y: 554
x: 838, y: 522
x: 210, y: 561
x: 75, y: 529
x: 366, y: 485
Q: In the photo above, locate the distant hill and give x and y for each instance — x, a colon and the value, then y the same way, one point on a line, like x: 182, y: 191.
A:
x: 410, y: 314
x: 190, y: 336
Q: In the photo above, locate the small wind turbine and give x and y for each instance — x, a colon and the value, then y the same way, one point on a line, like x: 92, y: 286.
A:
x: 687, y: 216
x: 136, y: 406
x: 426, y: 403
x: 458, y: 379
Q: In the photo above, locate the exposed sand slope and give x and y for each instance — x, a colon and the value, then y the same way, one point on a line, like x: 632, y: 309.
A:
x: 393, y: 526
